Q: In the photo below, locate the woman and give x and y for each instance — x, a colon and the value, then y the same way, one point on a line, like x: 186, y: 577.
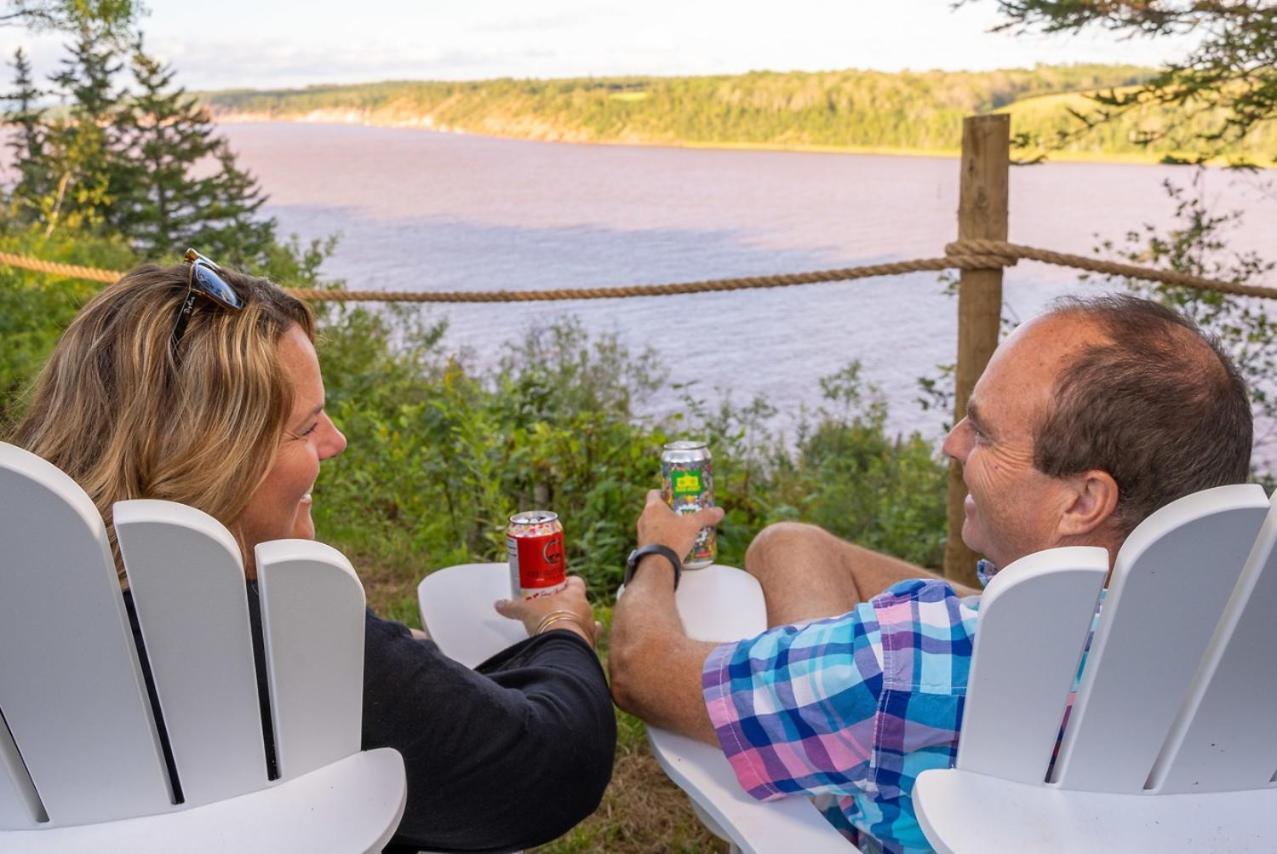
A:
x: 199, y: 385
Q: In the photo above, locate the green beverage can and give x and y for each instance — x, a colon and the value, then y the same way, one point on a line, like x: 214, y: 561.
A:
x: 687, y: 485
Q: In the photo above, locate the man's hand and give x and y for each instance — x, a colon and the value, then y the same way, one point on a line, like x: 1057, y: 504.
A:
x: 571, y: 598
x: 660, y: 525
x: 655, y: 666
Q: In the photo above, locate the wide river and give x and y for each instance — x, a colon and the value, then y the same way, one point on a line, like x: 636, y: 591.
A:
x: 417, y: 210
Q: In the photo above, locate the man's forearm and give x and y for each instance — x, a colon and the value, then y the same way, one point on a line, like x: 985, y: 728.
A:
x: 656, y: 667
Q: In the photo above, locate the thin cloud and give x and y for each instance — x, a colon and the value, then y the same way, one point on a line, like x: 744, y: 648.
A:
x: 407, y: 39
x: 539, y: 24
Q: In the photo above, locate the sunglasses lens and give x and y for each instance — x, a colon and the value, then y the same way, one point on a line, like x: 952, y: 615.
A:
x: 215, y: 287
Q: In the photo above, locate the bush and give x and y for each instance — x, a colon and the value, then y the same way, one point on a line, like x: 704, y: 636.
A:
x: 440, y: 455
x: 853, y: 479
x: 36, y: 307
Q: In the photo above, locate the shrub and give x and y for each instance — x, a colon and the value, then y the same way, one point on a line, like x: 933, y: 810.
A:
x: 440, y: 454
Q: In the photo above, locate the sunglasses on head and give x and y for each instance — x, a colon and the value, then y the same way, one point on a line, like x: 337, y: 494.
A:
x: 204, y: 279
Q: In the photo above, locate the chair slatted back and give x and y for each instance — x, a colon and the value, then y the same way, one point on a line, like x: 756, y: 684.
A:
x: 313, y: 630
x: 1170, y: 582
x: 71, y: 688
x: 1220, y: 744
x: 187, y: 582
x: 1035, y: 618
x: 19, y: 803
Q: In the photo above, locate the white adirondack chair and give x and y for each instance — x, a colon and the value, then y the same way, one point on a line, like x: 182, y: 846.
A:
x: 81, y: 763
x: 1171, y: 744
x: 717, y: 603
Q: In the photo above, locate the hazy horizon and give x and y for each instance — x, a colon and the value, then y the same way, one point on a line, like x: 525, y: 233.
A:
x: 323, y: 44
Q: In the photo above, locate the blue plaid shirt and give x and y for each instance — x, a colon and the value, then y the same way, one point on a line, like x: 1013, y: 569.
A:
x: 852, y: 708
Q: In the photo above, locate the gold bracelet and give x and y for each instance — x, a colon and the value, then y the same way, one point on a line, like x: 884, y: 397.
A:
x: 546, y: 625
x: 564, y: 616
x: 585, y: 634
x: 553, y: 616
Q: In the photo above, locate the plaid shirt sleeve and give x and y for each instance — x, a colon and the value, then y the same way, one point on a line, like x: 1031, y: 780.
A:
x: 794, y: 708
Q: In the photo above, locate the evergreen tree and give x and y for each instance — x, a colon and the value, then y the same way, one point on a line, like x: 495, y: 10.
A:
x: 167, y: 204
x: 165, y: 134
x: 85, y: 142
x: 27, y: 141
x: 229, y: 224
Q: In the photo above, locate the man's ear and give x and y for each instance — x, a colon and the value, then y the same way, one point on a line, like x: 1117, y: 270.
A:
x: 1094, y: 501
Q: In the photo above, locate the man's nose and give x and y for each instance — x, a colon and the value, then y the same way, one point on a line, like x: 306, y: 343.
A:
x: 958, y: 443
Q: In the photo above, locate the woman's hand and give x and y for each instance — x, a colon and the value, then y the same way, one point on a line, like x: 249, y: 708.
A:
x: 575, y: 613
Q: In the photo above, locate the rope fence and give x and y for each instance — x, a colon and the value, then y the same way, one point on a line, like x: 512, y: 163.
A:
x: 959, y: 255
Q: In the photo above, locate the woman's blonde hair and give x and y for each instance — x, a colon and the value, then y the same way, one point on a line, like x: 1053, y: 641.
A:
x: 126, y: 416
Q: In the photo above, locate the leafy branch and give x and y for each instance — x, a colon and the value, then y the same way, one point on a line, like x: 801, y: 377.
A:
x: 1228, y: 81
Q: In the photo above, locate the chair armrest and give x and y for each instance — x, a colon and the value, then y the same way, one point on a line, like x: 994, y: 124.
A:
x: 352, y: 805
x: 720, y: 604
x: 457, y: 613
x: 953, y: 810
x: 762, y: 827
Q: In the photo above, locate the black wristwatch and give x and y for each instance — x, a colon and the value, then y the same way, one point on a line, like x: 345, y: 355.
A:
x: 632, y: 562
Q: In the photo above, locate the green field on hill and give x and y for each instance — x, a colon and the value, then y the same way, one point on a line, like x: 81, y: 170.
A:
x: 914, y: 112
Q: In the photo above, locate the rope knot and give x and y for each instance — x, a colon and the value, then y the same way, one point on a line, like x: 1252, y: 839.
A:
x: 979, y: 254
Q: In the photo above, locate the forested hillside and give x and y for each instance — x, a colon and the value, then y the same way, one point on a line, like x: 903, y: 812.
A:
x: 908, y: 111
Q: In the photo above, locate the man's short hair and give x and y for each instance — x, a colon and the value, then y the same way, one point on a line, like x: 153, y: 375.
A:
x: 1159, y: 406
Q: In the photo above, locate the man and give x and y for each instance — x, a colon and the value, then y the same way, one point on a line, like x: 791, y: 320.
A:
x: 1086, y: 420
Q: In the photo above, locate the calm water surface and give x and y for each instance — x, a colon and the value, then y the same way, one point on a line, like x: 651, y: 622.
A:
x: 426, y: 211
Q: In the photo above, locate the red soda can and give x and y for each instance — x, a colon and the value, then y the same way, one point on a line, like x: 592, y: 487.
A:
x: 534, y: 543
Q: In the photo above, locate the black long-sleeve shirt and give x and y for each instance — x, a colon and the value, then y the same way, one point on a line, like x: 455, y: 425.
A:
x: 506, y: 756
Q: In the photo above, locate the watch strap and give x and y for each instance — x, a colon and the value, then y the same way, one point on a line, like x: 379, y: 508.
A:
x: 632, y: 562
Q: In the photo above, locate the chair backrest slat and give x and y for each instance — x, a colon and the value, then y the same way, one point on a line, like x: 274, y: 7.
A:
x: 1035, y: 617
x: 71, y: 688
x: 19, y: 804
x: 1169, y: 585
x: 187, y: 582
x: 313, y: 628
x: 1219, y: 744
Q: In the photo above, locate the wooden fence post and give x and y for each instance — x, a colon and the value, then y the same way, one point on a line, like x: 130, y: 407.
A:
x: 982, y: 213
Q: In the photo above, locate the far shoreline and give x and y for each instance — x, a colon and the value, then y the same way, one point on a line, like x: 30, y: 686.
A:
x: 345, y: 118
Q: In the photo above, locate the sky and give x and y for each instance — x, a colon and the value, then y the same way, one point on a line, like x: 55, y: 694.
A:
x: 284, y: 43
